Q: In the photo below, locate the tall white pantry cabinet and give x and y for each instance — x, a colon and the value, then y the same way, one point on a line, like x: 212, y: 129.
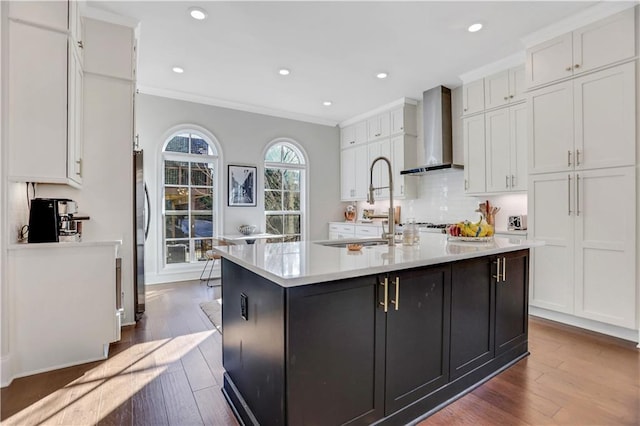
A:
x: 582, y: 132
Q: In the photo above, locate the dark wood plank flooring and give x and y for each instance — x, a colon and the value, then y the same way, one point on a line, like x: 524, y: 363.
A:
x: 167, y: 370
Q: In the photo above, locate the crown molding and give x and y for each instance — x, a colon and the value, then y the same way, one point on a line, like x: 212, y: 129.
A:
x: 378, y: 110
x: 112, y: 18
x: 206, y: 100
x: 509, y: 62
x: 588, y: 16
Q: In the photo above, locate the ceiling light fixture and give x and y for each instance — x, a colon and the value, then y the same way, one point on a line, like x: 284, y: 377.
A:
x: 284, y: 71
x: 474, y: 27
x: 327, y: 103
x: 198, y: 13
x: 382, y: 75
x: 178, y: 70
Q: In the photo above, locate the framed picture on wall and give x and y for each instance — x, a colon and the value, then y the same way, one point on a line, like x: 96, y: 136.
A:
x: 242, y: 186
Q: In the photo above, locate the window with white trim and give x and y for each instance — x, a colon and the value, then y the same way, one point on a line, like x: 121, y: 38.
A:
x: 284, y: 195
x: 190, y: 197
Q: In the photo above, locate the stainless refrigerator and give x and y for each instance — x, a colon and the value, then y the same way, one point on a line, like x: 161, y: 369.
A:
x: 141, y: 230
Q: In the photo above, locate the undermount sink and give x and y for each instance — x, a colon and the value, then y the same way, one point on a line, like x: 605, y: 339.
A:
x: 345, y: 242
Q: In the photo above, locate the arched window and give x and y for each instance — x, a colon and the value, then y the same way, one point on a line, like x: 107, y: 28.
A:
x: 190, y: 196
x: 284, y: 190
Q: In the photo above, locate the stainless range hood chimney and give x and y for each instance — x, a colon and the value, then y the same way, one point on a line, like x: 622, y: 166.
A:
x: 436, y: 122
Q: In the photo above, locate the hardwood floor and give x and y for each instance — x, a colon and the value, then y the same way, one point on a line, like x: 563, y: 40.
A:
x: 167, y: 370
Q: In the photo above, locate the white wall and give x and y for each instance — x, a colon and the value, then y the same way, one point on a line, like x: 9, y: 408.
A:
x: 4, y: 326
x: 243, y: 137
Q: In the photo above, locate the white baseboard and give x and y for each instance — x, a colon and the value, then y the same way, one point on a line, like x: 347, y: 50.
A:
x: 57, y: 367
x: 598, y: 327
x: 6, y: 371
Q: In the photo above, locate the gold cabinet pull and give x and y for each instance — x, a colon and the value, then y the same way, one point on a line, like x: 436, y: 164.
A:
x: 578, y: 195
x: 497, y: 276
x: 396, y: 301
x: 504, y: 268
x: 569, y: 194
x: 385, y: 285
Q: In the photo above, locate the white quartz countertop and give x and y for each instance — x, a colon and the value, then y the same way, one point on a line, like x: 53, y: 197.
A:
x: 306, y: 262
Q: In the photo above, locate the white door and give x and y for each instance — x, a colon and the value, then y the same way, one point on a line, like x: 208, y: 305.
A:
x: 347, y: 174
x: 549, y: 61
x: 518, y: 148
x: 496, y: 90
x: 497, y: 143
x: 605, y: 118
x: 75, y: 141
x: 550, y: 124
x: 605, y: 249
x: 473, y: 97
x: 604, y: 42
x: 517, y: 84
x: 361, y: 172
x: 397, y: 121
x: 474, y: 154
x: 550, y: 219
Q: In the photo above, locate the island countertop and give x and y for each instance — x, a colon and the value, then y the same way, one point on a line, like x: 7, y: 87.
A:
x: 308, y: 262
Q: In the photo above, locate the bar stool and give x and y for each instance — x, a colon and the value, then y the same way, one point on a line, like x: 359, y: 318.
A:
x: 211, y: 257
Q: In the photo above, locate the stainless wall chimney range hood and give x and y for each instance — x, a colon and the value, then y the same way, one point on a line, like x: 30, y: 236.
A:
x: 436, y: 122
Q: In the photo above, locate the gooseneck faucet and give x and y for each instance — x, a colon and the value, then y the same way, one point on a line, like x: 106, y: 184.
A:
x: 391, y: 219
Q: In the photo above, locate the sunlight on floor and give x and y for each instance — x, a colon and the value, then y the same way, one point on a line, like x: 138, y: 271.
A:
x: 145, y: 362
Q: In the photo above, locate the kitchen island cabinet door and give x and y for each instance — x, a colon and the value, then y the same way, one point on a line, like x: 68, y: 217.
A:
x: 417, y: 326
x: 472, y: 319
x: 511, y: 301
x: 335, y: 358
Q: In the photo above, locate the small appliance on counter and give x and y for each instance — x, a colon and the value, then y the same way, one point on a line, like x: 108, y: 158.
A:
x: 53, y: 220
x: 517, y: 223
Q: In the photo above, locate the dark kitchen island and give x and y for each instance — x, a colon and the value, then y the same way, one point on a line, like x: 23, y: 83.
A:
x: 317, y: 335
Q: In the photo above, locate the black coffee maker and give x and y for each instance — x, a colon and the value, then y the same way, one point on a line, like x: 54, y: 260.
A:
x: 51, y: 219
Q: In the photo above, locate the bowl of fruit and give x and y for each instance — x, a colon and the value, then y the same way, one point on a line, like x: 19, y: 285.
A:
x: 466, y: 230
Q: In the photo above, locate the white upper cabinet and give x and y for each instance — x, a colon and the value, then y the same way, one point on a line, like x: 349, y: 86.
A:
x: 589, y: 122
x: 605, y: 118
x: 474, y: 154
x: 50, y: 14
x: 37, y: 94
x: 354, y: 173
x: 376, y: 149
x: 101, y: 58
x: 518, y: 147
x: 473, y: 97
x: 403, y: 120
x: 379, y: 126
x: 588, y: 48
x: 75, y: 142
x: 353, y: 135
x: 504, y: 88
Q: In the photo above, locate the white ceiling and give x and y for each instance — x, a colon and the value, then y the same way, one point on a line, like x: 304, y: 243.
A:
x: 334, y: 49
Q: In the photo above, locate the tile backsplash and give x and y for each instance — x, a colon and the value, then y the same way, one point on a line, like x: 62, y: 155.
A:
x: 441, y: 198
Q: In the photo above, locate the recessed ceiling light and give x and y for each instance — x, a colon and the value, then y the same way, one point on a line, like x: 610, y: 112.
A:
x: 327, y: 103
x: 284, y: 71
x: 474, y: 27
x: 178, y: 70
x: 197, y: 13
x: 382, y: 75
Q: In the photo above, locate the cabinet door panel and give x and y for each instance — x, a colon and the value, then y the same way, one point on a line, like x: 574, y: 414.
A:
x: 474, y: 154
x: 549, y: 61
x: 605, y: 118
x: 361, y: 172
x: 75, y: 127
x: 473, y: 97
x: 605, y: 246
x: 334, y: 326
x: 604, y: 42
x: 52, y: 14
x: 498, y: 150
x: 37, y: 152
x: 496, y: 90
x: 472, y: 320
x: 519, y: 147
x: 551, y: 129
x: 511, y: 302
x: 517, y: 84
x: 347, y: 174
x: 550, y: 219
x: 417, y: 346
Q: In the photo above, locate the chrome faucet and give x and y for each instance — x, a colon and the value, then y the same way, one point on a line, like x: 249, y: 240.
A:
x: 391, y: 218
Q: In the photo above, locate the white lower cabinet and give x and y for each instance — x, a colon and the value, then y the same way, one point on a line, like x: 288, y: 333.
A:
x: 587, y: 266
x: 63, y: 300
x: 339, y: 230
